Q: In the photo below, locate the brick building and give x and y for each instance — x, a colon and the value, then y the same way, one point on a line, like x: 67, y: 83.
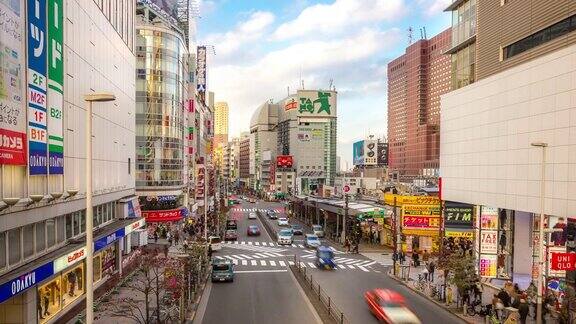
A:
x: 415, y: 82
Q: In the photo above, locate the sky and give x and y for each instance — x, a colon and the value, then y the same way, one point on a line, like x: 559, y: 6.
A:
x: 265, y: 47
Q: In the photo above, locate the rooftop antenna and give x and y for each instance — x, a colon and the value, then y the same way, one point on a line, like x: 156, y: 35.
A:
x: 421, y: 34
x: 331, y: 84
x: 288, y: 90
x: 424, y: 29
x: 301, y: 80
x: 410, y: 35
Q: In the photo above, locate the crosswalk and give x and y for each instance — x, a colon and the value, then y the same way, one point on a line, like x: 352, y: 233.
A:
x: 274, y: 244
x: 246, y: 210
x: 255, y: 261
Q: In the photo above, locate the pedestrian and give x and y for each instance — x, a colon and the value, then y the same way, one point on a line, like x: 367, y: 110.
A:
x: 209, y: 251
x: 176, y: 237
x: 425, y: 256
x: 431, y: 269
x: 425, y: 273
x: 165, y: 250
x: 169, y: 237
x: 523, y: 310
x: 504, y: 297
x: 356, y: 247
x: 402, y: 257
x: 156, y: 235
x: 347, y: 245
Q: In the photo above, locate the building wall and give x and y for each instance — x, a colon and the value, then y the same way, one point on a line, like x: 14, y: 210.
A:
x: 487, y: 131
x: 416, y: 81
x: 499, y: 26
x: 244, y: 158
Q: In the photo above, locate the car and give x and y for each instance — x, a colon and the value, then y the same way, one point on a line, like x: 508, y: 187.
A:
x: 312, y: 241
x: 215, y: 243
x: 253, y: 230
x: 297, y: 228
x: 230, y: 235
x: 318, y: 230
x: 283, y: 221
x: 389, y: 307
x: 231, y: 224
x: 252, y: 200
x: 285, y: 236
x: 222, y: 270
x: 272, y: 214
x: 252, y: 215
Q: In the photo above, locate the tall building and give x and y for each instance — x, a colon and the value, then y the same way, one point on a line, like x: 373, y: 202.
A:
x: 233, y: 165
x: 263, y: 136
x: 416, y: 80
x: 220, y: 132
x: 160, y: 116
x: 463, y: 44
x: 509, y: 139
x: 43, y: 189
x: 244, y: 160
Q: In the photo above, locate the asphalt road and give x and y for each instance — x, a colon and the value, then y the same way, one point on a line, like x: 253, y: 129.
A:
x: 347, y: 286
x: 260, y: 293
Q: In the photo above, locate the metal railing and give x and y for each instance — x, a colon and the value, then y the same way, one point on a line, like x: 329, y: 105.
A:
x: 333, y: 310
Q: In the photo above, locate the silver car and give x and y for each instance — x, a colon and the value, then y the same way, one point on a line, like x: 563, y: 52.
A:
x: 318, y: 230
x: 285, y: 237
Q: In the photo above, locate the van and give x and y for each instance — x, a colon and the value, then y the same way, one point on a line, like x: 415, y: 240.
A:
x: 215, y: 243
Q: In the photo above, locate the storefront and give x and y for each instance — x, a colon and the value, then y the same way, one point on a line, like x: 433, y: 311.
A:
x: 60, y: 283
x: 458, y: 222
x: 155, y: 218
x: 421, y: 227
x: 496, y: 242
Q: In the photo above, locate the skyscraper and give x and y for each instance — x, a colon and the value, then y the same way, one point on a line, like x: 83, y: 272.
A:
x: 220, y: 131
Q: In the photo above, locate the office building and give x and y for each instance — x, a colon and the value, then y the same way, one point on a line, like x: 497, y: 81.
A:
x: 416, y: 80
x: 262, y: 144
x: 244, y: 160
x: 462, y: 50
x: 43, y: 190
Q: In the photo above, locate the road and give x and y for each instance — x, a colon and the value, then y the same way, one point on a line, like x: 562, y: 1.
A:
x: 263, y: 290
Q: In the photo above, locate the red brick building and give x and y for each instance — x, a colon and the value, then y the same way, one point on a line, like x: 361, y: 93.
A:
x: 416, y: 80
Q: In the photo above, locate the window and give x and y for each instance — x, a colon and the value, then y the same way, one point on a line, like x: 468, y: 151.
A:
x: 60, y: 229
x: 40, y: 237
x: 50, y: 233
x: 69, y: 226
x: 14, y: 247
x: 73, y: 284
x: 28, y: 240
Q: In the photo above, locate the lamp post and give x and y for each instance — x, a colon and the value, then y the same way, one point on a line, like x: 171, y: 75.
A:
x: 90, y: 98
x: 541, y: 233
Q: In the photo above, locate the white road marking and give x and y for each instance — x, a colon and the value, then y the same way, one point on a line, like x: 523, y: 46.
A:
x: 363, y: 269
x: 277, y: 254
x: 282, y: 263
x: 253, y: 262
x: 369, y: 264
x: 244, y: 255
x: 244, y: 262
x: 260, y: 271
x: 256, y: 243
x: 249, y: 242
x: 239, y: 257
x: 262, y: 255
x: 300, y: 245
x: 235, y: 262
x: 351, y: 267
x: 311, y: 264
x: 272, y: 263
x: 302, y: 264
x: 291, y: 263
x: 262, y: 262
x: 269, y: 254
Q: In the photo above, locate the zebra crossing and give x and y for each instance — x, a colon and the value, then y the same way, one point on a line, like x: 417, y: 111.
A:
x: 246, y: 210
x: 255, y: 245
x: 257, y: 261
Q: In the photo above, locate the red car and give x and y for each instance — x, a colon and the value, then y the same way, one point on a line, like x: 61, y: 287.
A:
x: 389, y: 307
x: 230, y: 235
x: 253, y: 230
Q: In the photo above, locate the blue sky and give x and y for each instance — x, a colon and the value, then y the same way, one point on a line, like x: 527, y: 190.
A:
x: 263, y: 46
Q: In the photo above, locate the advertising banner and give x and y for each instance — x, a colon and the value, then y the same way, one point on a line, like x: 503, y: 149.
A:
x: 410, y: 200
x: 370, y: 149
x: 37, y: 66
x: 382, y: 152
x: 155, y: 216
x: 200, y: 184
x: 489, y: 242
x: 425, y: 222
x: 458, y: 215
x: 313, y: 103
x: 12, y: 67
x: 201, y: 69
x: 459, y: 234
x: 488, y: 265
x: 290, y: 104
x: 489, y: 218
x: 560, y: 261
x: 358, y: 153
x: 55, y: 87
x: 284, y: 161
x: 420, y: 217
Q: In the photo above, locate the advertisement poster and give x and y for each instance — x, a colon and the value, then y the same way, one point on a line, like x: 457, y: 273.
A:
x: 458, y: 215
x: 358, y: 153
x: 316, y: 103
x: 382, y: 159
x: 558, y: 250
x: 37, y: 66
x: 488, y: 266
x: 12, y: 67
x: 200, y: 184
x: 489, y: 218
x: 370, y: 149
x: 55, y: 87
x: 489, y: 242
x: 201, y: 69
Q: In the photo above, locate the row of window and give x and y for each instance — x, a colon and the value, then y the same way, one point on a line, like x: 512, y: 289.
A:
x: 120, y: 14
x: 22, y: 244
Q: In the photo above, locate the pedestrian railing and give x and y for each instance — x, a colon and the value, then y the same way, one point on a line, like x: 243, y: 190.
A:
x: 321, y: 294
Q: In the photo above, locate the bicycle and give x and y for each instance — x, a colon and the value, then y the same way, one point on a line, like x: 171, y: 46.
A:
x: 474, y: 307
x: 421, y: 283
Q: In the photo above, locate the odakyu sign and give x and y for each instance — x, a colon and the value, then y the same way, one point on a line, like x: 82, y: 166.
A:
x: 25, y: 281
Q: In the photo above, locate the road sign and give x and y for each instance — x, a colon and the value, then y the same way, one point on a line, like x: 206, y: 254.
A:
x: 563, y: 261
x: 346, y: 188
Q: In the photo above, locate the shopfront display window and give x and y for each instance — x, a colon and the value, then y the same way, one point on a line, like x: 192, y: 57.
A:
x: 109, y: 260
x: 97, y: 268
x: 72, y: 284
x: 49, y: 301
x: 496, y: 242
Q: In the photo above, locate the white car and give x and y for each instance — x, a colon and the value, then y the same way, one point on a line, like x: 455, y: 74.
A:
x: 285, y: 236
x: 318, y: 230
x: 252, y: 215
x: 215, y: 243
x: 283, y: 221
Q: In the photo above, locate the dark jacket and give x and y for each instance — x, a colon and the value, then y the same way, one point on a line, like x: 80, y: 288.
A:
x: 505, y: 298
x: 523, y: 310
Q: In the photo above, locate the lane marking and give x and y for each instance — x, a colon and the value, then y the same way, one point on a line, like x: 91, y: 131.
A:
x: 253, y: 262
x: 244, y: 255
x: 272, y: 263
x: 256, y: 243
x: 249, y: 242
x: 369, y: 264
x: 262, y: 262
x: 244, y: 262
x: 311, y: 264
x: 351, y: 267
x: 282, y: 263
x: 363, y: 269
x: 261, y: 271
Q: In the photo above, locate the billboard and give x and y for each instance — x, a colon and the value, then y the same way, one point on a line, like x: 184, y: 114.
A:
x: 370, y: 149
x: 55, y: 87
x: 37, y: 69
x: 458, y: 215
x: 201, y: 69
x: 284, y: 161
x: 200, y: 189
x: 12, y: 67
x: 167, y: 7
x: 315, y: 103
x: 382, y: 154
x: 358, y: 153
x: 290, y: 104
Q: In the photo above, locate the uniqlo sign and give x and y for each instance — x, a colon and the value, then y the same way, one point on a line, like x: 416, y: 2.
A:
x: 563, y: 261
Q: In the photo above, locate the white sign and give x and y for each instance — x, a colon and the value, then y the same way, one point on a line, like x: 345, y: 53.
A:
x: 134, y: 226
x: 489, y: 242
x: 69, y: 259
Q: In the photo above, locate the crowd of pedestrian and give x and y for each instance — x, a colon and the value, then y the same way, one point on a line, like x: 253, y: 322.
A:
x: 459, y: 245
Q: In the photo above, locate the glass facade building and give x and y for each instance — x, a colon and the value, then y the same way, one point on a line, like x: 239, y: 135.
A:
x: 160, y: 94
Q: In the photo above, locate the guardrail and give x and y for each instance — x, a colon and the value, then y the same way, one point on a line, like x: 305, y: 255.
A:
x: 269, y: 228
x: 334, y: 311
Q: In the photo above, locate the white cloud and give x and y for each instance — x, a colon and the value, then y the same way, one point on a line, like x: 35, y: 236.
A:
x: 434, y: 7
x: 338, y: 16
x: 246, y: 32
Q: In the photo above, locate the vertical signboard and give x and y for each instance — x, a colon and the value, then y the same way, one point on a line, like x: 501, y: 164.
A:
x: 55, y: 87
x: 200, y: 184
x: 12, y: 63
x: 37, y: 117
x: 370, y: 152
x: 358, y: 153
x: 201, y: 71
x: 382, y: 159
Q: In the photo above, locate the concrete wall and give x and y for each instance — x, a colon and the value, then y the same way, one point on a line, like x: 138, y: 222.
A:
x: 487, y: 128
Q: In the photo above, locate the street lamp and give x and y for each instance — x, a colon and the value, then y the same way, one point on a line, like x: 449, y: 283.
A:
x: 90, y: 98
x: 541, y: 232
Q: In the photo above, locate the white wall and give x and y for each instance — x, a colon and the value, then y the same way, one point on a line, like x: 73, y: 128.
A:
x: 487, y: 127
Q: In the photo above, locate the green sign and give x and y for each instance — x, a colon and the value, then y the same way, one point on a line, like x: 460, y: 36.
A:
x: 372, y: 214
x: 322, y: 102
x: 55, y: 44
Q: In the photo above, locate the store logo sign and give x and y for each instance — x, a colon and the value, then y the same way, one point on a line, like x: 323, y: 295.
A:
x: 24, y: 282
x: 75, y: 256
x: 67, y: 260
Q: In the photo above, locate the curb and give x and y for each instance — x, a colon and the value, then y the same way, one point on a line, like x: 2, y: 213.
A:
x: 459, y: 316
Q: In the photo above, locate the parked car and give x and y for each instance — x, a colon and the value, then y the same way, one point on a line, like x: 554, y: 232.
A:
x: 389, y: 307
x: 253, y: 230
x: 285, y: 236
x: 231, y: 235
x: 283, y: 221
x: 215, y: 243
x: 252, y: 215
x: 312, y: 241
x: 297, y: 229
x: 318, y: 230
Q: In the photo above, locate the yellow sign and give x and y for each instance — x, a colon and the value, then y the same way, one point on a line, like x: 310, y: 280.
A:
x: 468, y: 235
x: 421, y: 232
x: 421, y: 210
x: 412, y: 200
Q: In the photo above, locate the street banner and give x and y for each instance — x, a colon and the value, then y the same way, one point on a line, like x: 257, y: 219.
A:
x: 489, y: 242
x: 200, y: 188
x: 12, y: 67
x: 559, y: 261
x: 37, y: 119
x: 488, y: 265
x: 55, y: 87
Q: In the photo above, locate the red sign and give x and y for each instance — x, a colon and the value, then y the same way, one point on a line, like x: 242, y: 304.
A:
x: 12, y: 147
x: 158, y: 216
x: 421, y: 222
x: 291, y: 104
x: 284, y: 161
x: 346, y: 188
x: 75, y: 256
x: 563, y: 261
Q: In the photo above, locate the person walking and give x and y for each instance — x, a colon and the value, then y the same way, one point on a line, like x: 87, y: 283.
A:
x: 177, y: 237
x: 165, y: 250
x: 156, y: 235
x: 523, y: 310
x: 431, y: 269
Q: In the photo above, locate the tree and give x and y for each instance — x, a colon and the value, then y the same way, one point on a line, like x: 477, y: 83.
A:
x: 461, y: 272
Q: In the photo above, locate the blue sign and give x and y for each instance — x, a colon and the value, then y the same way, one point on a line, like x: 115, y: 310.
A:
x: 107, y: 240
x: 25, y: 281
